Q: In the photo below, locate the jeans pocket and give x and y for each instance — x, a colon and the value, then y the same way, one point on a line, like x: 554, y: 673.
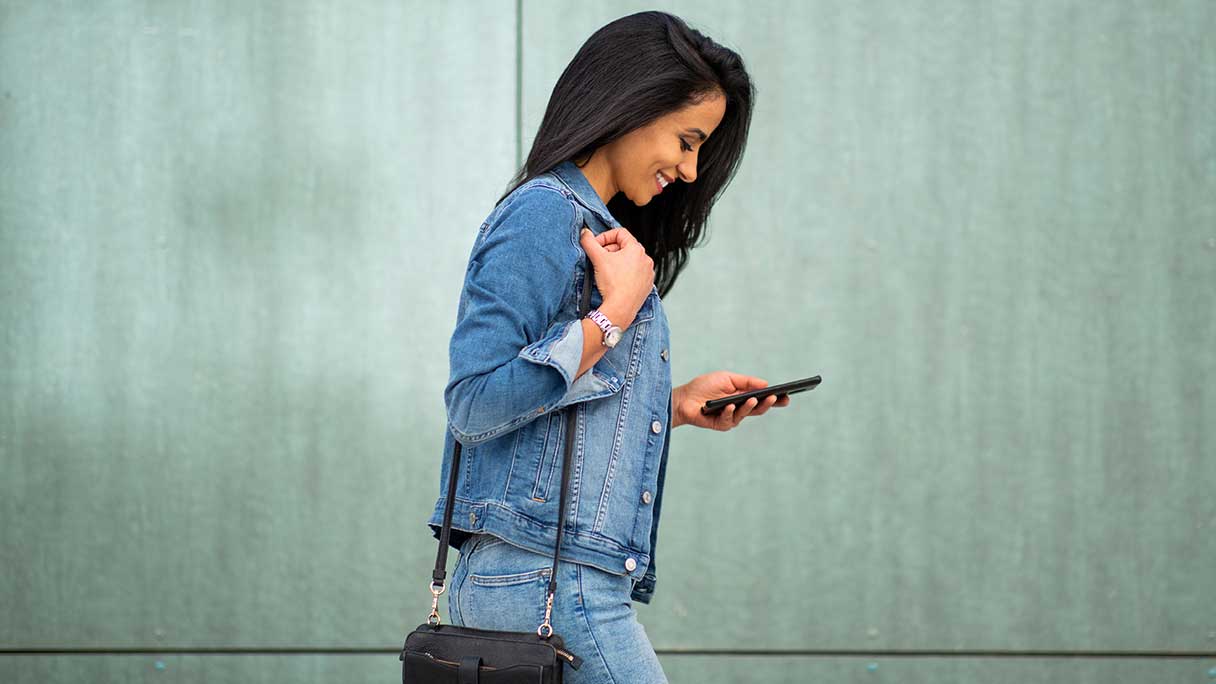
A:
x: 509, y: 580
x: 505, y: 587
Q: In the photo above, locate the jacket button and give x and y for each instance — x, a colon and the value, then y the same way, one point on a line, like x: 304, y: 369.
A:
x: 472, y: 518
x: 630, y: 564
x: 663, y: 354
x: 656, y: 427
x: 646, y: 496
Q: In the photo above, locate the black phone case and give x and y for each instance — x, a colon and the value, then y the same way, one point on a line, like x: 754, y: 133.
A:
x: 792, y: 387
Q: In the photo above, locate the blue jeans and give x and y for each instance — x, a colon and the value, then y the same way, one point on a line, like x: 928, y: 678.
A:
x: 497, y: 585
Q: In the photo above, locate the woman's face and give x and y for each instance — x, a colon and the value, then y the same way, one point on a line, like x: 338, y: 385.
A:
x: 666, y: 147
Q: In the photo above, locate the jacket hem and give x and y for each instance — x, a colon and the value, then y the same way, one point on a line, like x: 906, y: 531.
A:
x: 579, y: 547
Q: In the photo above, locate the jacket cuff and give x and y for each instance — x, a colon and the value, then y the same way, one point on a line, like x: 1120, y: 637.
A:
x: 561, y: 348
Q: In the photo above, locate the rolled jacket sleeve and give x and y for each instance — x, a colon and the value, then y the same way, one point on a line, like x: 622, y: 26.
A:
x: 513, y: 355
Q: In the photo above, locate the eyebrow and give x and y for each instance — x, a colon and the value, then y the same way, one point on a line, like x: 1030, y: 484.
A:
x: 698, y: 131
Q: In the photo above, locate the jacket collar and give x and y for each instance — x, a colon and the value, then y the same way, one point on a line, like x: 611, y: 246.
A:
x: 572, y: 177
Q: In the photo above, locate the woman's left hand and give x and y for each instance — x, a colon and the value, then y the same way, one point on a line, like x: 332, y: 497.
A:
x: 688, y: 399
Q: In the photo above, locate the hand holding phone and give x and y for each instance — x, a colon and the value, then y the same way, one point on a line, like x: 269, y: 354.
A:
x: 787, y: 388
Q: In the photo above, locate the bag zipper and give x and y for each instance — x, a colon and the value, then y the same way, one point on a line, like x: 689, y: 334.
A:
x: 574, y: 660
x: 453, y: 664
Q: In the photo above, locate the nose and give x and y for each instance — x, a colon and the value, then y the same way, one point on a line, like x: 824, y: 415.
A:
x: 687, y: 170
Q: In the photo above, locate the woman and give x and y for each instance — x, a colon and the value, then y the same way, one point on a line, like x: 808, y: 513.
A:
x: 646, y: 126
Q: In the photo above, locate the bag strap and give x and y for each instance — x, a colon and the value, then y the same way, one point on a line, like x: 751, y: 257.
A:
x: 440, y: 573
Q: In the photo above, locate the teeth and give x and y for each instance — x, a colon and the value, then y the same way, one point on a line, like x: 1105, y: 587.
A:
x: 661, y: 179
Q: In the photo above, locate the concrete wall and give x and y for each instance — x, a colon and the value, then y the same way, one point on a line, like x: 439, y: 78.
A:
x: 232, y: 239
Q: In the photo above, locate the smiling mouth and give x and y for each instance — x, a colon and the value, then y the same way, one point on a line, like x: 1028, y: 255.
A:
x: 661, y: 181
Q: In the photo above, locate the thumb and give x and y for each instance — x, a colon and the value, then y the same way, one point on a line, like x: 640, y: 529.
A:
x: 747, y: 382
x: 592, y: 246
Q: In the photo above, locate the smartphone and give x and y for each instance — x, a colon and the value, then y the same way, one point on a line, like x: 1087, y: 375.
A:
x: 715, y: 405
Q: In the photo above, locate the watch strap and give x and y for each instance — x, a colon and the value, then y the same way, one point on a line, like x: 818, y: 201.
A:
x: 600, y: 320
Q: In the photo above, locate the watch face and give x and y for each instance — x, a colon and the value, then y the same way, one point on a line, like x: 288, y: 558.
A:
x: 613, y: 336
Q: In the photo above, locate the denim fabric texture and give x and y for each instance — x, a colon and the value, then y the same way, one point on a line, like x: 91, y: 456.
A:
x: 497, y: 585
x: 513, y: 356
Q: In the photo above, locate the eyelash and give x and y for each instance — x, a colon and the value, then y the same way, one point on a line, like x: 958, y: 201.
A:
x: 685, y: 146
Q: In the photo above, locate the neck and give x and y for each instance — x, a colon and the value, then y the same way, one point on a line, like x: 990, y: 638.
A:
x: 600, y: 177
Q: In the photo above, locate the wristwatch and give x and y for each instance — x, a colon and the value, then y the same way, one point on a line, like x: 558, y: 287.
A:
x: 612, y: 334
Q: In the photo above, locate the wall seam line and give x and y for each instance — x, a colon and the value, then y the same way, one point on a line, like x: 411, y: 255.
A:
x: 519, y: 78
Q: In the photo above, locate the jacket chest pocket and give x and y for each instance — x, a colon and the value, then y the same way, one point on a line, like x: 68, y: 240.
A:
x: 548, y: 444
x: 646, y: 312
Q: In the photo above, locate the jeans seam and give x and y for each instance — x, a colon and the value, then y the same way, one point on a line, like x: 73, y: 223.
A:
x: 598, y: 651
x: 464, y: 561
x: 490, y: 541
x: 459, y: 593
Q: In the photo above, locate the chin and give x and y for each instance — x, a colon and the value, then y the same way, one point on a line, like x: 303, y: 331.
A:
x: 646, y: 200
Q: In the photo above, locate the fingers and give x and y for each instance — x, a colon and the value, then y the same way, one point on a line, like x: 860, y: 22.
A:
x: 748, y: 408
x: 608, y: 241
x: 769, y: 402
x: 619, y: 236
x: 730, y: 417
x: 720, y: 420
x: 586, y: 238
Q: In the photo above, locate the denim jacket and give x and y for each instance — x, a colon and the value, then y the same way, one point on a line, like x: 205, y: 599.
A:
x: 514, y: 354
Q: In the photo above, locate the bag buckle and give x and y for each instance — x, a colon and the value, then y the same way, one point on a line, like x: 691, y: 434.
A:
x: 433, y: 619
x: 545, y: 625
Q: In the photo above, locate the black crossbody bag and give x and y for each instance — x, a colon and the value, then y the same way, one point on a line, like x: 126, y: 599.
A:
x: 435, y: 653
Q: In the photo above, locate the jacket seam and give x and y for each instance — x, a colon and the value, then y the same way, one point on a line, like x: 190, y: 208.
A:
x: 576, y: 465
x: 561, y: 189
x: 618, y: 435
x: 511, y: 469
x: 575, y: 197
x: 477, y: 437
x: 527, y: 518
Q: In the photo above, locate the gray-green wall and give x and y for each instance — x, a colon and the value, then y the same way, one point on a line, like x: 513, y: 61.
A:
x: 232, y: 239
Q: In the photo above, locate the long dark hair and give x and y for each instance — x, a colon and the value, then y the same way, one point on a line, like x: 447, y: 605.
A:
x: 629, y: 73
